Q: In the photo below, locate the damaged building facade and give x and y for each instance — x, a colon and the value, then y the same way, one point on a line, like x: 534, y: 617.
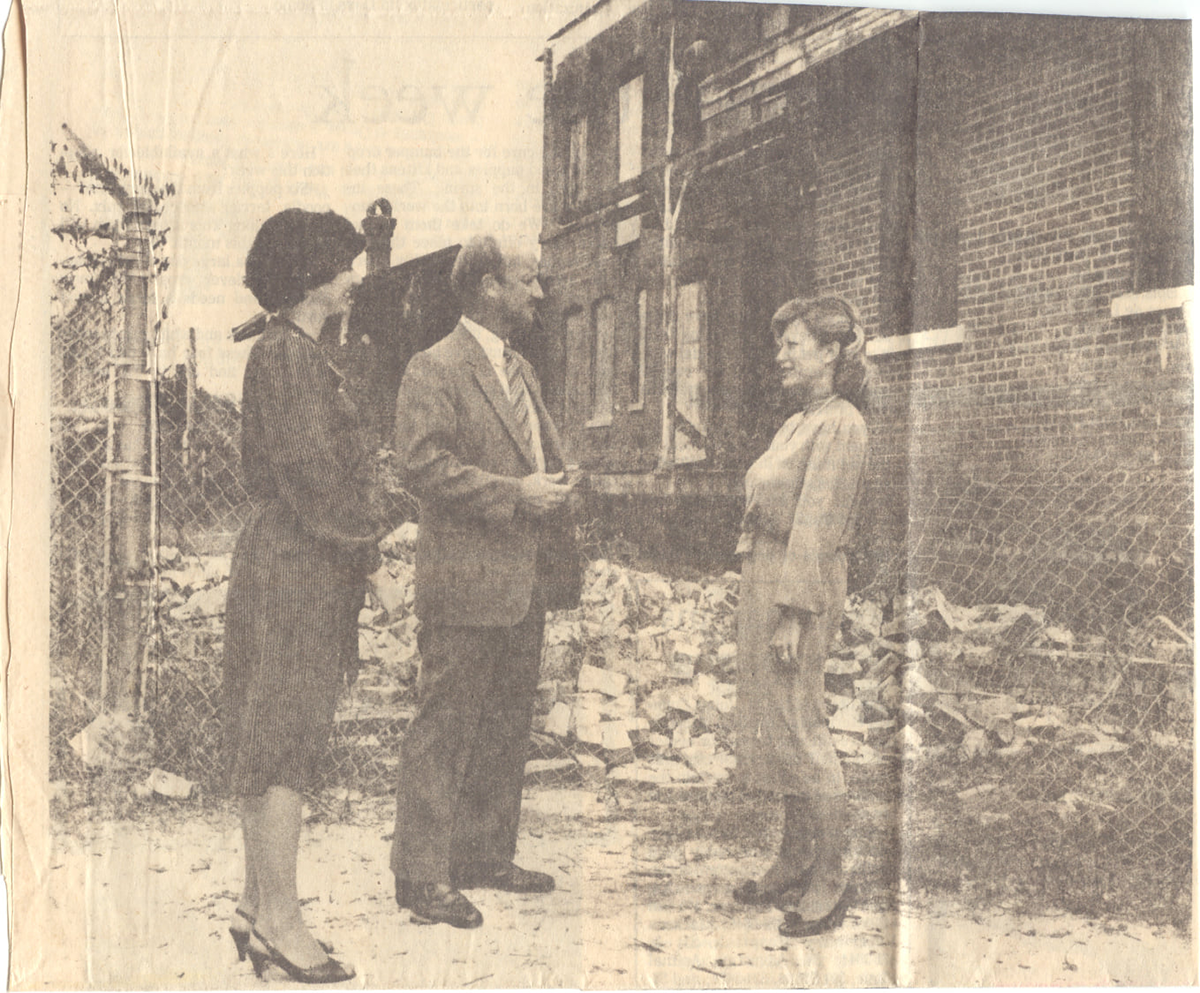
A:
x: 1006, y: 199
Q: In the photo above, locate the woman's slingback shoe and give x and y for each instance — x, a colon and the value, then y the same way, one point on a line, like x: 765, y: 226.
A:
x: 241, y: 939
x: 329, y: 971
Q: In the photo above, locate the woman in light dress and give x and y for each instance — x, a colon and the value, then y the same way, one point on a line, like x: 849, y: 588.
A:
x: 801, y: 497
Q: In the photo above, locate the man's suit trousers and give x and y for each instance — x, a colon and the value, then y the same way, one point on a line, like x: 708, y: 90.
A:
x: 463, y: 756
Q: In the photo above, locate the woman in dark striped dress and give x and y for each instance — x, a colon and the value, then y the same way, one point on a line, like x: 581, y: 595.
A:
x: 299, y: 572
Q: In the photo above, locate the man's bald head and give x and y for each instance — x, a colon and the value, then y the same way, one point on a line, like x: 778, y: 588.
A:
x: 498, y: 289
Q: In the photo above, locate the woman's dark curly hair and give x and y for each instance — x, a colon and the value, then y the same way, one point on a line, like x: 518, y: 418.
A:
x: 296, y: 251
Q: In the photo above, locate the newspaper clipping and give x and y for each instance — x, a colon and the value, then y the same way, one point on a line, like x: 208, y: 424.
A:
x: 610, y: 494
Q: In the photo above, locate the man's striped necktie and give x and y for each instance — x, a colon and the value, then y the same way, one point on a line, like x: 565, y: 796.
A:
x: 519, y: 395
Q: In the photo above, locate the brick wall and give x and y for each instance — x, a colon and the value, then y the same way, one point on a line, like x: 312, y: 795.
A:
x: 1046, y: 376
x: 1048, y: 392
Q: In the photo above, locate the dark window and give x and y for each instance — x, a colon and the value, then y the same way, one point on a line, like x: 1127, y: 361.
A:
x: 935, y: 197
x: 602, y: 362
x: 895, y: 70
x: 1162, y: 100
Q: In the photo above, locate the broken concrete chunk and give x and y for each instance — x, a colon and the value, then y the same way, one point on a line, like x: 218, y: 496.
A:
x: 976, y: 791
x: 114, y: 741
x: 655, y: 706
x: 681, y: 669
x: 167, y: 784
x: 593, y: 678
x: 866, y: 619
x: 1046, y: 717
x: 536, y: 767
x: 1002, y: 731
x: 945, y: 716
x: 682, y: 698
x: 639, y: 772
x: 915, y: 683
x: 975, y: 745
x: 216, y: 567
x: 843, y: 744
x: 906, y: 740
x: 587, y: 730
x: 882, y: 670
x: 203, y: 603
x: 587, y: 760
x: 1104, y: 746
x: 614, y: 736
x: 558, y: 721
x: 620, y: 708
x: 835, y: 666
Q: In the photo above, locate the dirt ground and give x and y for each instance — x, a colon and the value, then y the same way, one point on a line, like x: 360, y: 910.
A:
x: 145, y: 903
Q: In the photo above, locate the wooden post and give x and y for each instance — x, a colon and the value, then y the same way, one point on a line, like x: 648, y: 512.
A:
x: 666, y: 455
x: 132, y: 490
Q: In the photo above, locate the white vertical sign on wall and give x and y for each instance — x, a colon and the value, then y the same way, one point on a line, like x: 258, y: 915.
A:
x: 691, y: 389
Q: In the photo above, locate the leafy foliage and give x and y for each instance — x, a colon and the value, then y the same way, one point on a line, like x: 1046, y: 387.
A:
x: 89, y: 226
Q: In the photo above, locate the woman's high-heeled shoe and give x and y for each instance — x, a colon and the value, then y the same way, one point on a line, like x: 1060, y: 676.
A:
x: 750, y: 893
x: 241, y: 939
x: 795, y: 926
x: 329, y: 971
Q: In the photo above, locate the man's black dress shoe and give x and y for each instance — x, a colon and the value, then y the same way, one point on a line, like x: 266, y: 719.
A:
x: 506, y: 876
x: 428, y: 906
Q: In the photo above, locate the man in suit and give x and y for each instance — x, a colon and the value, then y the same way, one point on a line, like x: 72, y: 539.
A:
x: 477, y: 447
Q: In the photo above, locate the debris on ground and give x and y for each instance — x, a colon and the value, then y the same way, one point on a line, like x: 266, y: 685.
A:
x: 639, y: 681
x: 114, y: 741
x: 164, y: 784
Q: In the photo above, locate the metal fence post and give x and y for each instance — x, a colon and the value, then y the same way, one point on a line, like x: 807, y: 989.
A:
x: 132, y: 519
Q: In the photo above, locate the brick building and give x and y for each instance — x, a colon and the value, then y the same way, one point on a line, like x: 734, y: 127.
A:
x: 1006, y: 199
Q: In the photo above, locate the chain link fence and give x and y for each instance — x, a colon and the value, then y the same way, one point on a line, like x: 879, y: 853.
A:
x: 1078, y: 776
x: 83, y: 340
x: 1101, y: 561
x: 1092, y: 674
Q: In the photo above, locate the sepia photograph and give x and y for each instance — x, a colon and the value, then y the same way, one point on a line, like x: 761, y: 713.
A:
x: 598, y: 494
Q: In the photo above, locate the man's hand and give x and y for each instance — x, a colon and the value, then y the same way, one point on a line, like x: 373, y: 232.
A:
x: 543, y: 492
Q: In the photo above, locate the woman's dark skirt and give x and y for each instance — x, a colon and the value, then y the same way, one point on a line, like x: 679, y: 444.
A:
x: 291, y: 626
